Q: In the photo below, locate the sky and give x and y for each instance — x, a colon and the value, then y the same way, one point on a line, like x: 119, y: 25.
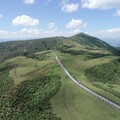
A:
x: 27, y: 19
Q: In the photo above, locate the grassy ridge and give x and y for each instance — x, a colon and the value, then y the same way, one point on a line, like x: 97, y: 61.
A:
x: 93, y: 43
x: 17, y: 48
x: 72, y: 103
x: 80, y: 41
x: 77, y: 65
x: 32, y: 98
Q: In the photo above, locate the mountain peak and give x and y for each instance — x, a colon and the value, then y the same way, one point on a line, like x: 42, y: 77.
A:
x: 82, y: 34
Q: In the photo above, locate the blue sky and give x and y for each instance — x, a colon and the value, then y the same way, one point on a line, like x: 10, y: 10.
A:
x: 24, y: 19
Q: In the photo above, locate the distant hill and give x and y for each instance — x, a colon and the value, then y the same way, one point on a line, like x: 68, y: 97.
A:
x: 15, y: 48
x: 118, y: 48
x: 78, y: 41
x: 92, y: 42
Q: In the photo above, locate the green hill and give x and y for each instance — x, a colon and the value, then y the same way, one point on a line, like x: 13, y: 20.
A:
x: 77, y: 42
x: 92, y: 42
x: 16, y: 48
x: 37, y: 88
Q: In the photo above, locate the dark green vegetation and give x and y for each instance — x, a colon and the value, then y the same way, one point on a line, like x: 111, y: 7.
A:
x: 30, y: 82
x: 17, y: 48
x: 72, y: 103
x: 29, y: 99
x: 80, y: 41
x: 92, y: 43
x: 77, y: 65
x: 106, y: 73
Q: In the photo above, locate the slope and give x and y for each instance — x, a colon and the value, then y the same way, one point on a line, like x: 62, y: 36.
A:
x: 72, y: 103
x: 77, y: 42
x: 16, y: 48
x: 90, y: 42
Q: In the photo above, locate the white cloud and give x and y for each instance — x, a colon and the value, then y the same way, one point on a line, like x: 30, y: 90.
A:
x: 25, y: 20
x: 30, y: 32
x: 70, y: 33
x: 22, y: 34
x: 52, y: 26
x: 29, y: 1
x: 117, y: 13
x: 112, y: 36
x: 76, y: 24
x: 100, y: 4
x: 3, y: 33
x: 109, y: 33
x: 69, y: 7
x: 7, y: 34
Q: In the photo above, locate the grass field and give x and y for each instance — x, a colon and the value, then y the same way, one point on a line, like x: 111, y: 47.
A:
x: 72, y: 103
x: 76, y: 65
x: 26, y: 67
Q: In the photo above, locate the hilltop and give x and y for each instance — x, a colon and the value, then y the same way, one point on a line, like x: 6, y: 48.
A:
x: 79, y: 41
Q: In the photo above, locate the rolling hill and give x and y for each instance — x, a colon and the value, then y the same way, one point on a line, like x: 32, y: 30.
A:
x: 91, y: 42
x: 80, y: 41
x: 33, y: 85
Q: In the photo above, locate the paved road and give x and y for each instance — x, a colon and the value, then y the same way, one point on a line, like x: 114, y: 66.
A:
x: 115, y: 106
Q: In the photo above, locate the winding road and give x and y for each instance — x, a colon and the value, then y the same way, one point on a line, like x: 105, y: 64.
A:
x: 115, y: 106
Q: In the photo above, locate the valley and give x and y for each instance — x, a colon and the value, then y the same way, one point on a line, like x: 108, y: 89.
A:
x: 35, y: 83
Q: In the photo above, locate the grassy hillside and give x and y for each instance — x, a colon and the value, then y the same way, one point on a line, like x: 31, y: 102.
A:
x: 90, y: 42
x: 72, y: 103
x: 106, y: 76
x: 77, y: 65
x: 33, y: 86
x: 26, y: 87
x: 30, y: 86
x: 17, y: 48
x: 78, y: 42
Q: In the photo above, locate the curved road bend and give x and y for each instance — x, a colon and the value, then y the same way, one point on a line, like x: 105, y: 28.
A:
x: 115, y: 106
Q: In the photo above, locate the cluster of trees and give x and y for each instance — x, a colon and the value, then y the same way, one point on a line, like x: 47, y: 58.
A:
x: 108, y: 72
x: 39, y: 57
x: 89, y: 55
x: 73, y: 52
x: 105, y: 73
x: 95, y: 55
x: 17, y: 48
x: 109, y: 88
x: 28, y: 100
x: 6, y: 91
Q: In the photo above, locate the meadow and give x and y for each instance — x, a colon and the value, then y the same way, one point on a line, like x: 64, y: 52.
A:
x: 77, y: 65
x: 39, y: 89
x: 72, y: 103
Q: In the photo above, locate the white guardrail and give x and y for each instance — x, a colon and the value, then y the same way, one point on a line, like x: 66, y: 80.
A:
x: 115, y: 106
